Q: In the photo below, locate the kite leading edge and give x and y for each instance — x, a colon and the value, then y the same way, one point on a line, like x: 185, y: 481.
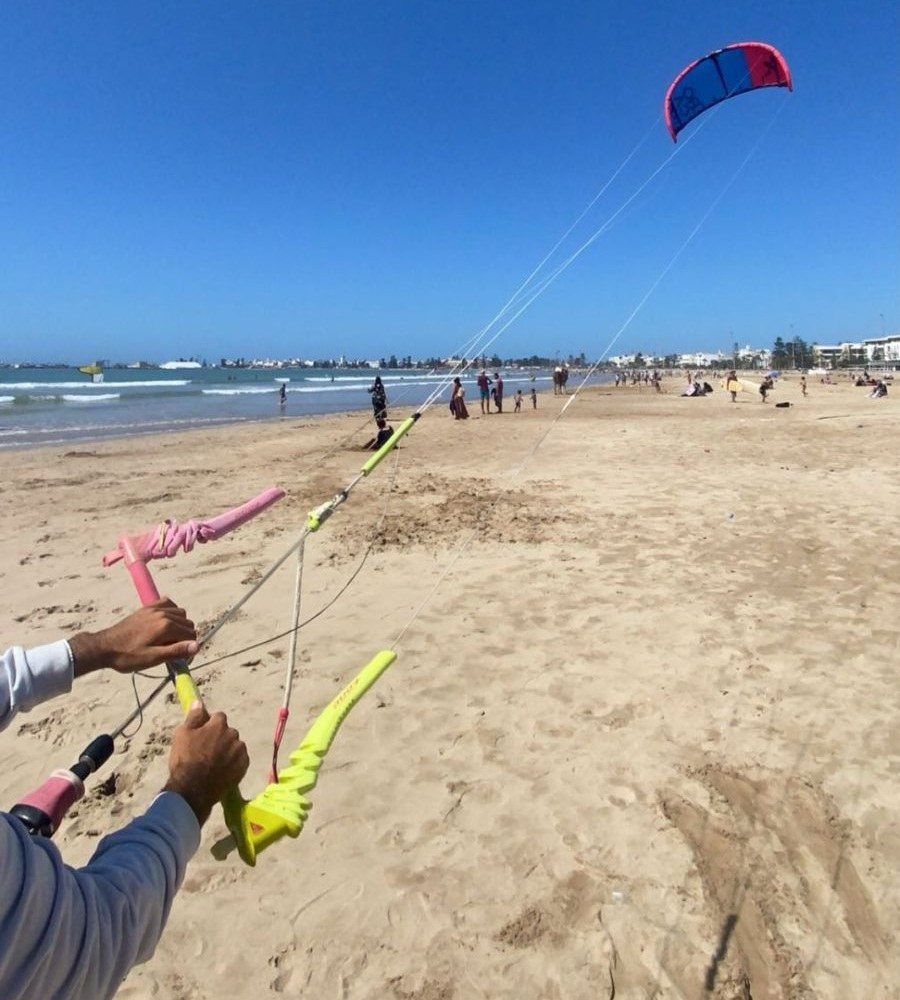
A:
x: 735, y: 69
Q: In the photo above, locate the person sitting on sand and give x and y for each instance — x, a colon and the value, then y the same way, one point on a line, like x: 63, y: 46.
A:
x: 385, y: 432
x: 74, y: 934
x: 879, y: 390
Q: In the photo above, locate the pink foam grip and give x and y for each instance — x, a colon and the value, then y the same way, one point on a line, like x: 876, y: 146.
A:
x: 167, y: 538
x: 60, y: 791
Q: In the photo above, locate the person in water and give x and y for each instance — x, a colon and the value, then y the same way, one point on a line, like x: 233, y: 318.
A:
x: 75, y: 933
x: 282, y: 394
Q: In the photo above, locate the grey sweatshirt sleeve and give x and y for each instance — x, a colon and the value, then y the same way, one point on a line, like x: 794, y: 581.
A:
x: 73, y: 934
x: 69, y: 934
x: 28, y: 677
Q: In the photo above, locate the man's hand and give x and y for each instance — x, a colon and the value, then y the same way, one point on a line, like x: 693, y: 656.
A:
x: 154, y: 634
x: 207, y: 758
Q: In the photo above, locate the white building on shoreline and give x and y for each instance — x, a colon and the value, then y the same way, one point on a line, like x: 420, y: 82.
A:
x: 873, y: 352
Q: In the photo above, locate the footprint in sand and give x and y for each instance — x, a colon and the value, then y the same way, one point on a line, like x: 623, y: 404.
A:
x: 567, y: 930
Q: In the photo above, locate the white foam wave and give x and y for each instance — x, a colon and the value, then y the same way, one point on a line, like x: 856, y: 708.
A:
x: 248, y: 391
x: 138, y: 426
x: 7, y: 399
x: 369, y: 379
x: 356, y: 388
x: 92, y: 386
x: 91, y: 399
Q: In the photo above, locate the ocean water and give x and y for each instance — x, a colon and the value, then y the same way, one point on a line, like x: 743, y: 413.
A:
x: 57, y: 405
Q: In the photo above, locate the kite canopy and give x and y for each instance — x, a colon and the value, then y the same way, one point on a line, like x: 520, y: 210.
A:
x: 724, y: 73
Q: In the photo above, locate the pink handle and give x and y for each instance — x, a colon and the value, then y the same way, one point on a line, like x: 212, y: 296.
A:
x: 143, y: 582
x: 169, y: 537
x: 60, y: 791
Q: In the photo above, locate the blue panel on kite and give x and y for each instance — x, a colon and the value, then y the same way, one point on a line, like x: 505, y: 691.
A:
x: 724, y: 73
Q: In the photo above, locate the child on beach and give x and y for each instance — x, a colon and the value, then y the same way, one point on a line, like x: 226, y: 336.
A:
x: 533, y: 398
x: 518, y: 406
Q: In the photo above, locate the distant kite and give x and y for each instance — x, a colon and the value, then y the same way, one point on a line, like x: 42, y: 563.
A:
x: 724, y: 73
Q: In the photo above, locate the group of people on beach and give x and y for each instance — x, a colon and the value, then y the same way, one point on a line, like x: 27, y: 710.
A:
x: 490, y: 390
x: 645, y: 377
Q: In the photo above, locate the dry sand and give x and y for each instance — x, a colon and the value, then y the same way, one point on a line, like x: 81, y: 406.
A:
x: 641, y: 740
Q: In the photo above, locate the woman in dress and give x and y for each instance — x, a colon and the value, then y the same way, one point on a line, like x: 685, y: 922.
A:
x: 458, y: 401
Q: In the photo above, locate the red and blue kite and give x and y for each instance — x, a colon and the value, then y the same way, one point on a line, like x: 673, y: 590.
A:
x: 736, y: 69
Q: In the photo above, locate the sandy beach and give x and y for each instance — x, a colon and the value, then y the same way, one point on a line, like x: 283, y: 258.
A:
x: 641, y: 740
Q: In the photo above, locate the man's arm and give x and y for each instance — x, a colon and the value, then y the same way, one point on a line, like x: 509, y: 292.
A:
x: 28, y: 677
x: 74, y: 935
x: 149, y: 636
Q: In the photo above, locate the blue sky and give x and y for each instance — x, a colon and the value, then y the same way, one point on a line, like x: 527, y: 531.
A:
x: 317, y: 178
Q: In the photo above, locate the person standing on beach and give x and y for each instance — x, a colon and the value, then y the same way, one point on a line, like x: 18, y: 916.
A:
x: 731, y: 384
x: 803, y: 384
x: 379, y: 398
x: 533, y: 398
x: 498, y: 392
x: 518, y: 397
x: 458, y: 400
x: 74, y: 934
x: 484, y: 388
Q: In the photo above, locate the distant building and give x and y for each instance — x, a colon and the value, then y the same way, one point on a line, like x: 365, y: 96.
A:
x: 743, y: 357
x: 873, y: 351
x: 827, y: 355
x: 883, y: 350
